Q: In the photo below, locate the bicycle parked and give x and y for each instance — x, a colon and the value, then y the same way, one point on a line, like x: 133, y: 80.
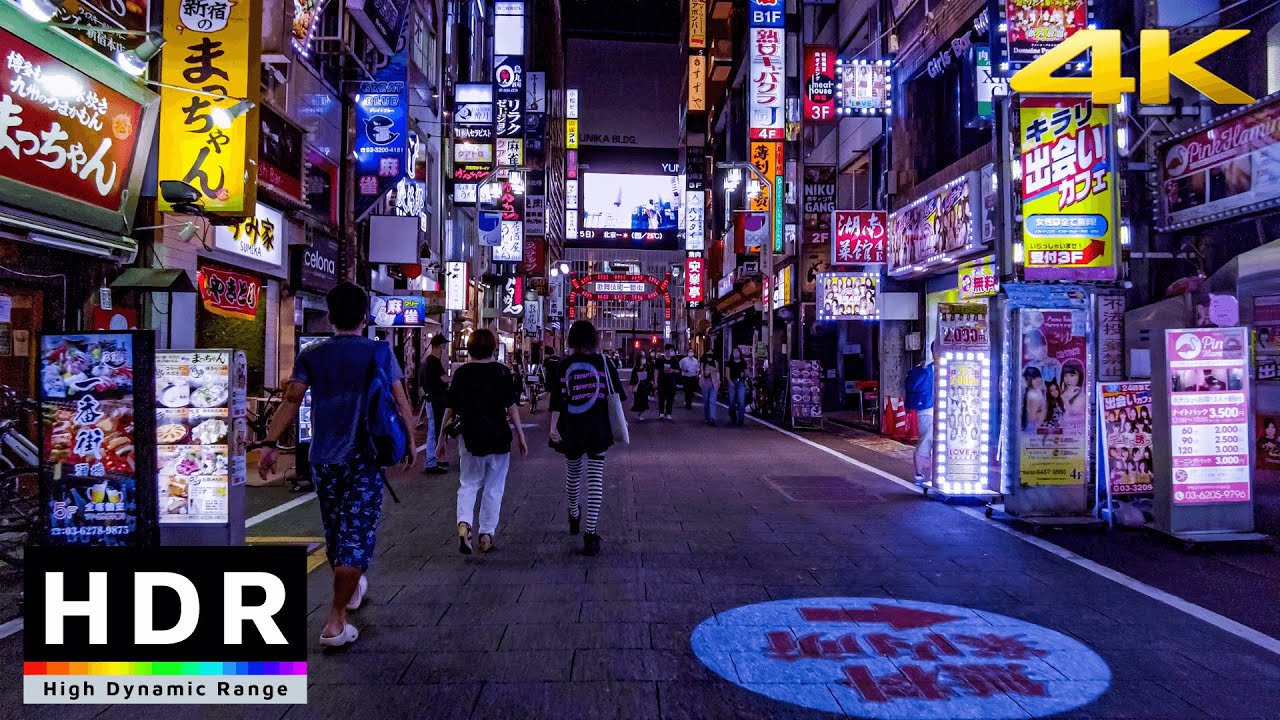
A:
x: 19, y: 477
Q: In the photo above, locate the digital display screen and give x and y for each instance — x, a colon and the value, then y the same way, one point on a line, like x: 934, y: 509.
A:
x: 629, y: 198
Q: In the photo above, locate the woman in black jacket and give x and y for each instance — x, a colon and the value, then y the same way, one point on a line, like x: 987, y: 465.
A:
x: 580, y: 426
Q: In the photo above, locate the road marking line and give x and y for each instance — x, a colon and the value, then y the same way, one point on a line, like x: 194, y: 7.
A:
x: 284, y: 508
x: 1222, y: 622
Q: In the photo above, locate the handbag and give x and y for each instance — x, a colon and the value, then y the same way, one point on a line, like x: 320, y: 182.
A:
x: 617, y: 415
x: 385, y: 432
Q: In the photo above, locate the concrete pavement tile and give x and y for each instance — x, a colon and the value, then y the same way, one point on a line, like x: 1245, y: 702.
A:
x: 493, y: 667
x: 412, y: 639
x: 683, y: 701
x: 341, y: 667
x: 583, y: 591
x: 1136, y: 699
x: 645, y: 612
x: 567, y: 701
x: 757, y: 667
x: 393, y: 574
x: 481, y: 613
x: 671, y: 636
x: 639, y: 664
x: 757, y: 576
x: 716, y: 594
x: 1230, y: 699
x: 570, y: 636
x: 695, y: 560
x: 786, y: 592
x: 345, y: 702
x: 669, y: 574
x: 821, y: 702
x: 396, y: 615
x: 195, y: 712
x: 500, y: 576
x: 457, y: 594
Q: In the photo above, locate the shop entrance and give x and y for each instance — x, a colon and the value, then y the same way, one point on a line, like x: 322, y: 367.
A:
x: 21, y: 317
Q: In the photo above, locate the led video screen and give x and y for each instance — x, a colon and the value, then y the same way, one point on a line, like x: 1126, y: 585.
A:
x: 630, y: 200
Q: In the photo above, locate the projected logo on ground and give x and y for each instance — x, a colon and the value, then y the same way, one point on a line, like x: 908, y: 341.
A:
x: 884, y: 658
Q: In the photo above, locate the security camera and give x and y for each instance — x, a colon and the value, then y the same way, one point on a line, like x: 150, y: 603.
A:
x: 182, y: 196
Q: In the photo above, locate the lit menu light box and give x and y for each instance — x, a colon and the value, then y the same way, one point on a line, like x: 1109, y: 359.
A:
x: 962, y: 420
x: 848, y: 296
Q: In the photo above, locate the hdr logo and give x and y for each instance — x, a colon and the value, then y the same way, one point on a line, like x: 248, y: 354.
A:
x: 165, y: 625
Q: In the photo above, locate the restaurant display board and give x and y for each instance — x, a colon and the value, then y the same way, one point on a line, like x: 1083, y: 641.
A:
x: 1209, y: 415
x: 962, y: 410
x: 1053, y: 442
x: 200, y: 433
x: 96, y: 452
x: 806, y: 389
x: 1124, y: 448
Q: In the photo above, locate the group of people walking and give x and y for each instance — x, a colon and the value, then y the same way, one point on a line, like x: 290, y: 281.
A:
x: 475, y: 407
x: 668, y: 374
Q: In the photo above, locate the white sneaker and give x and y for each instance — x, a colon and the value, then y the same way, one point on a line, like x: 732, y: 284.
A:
x: 346, y: 637
x: 358, y: 597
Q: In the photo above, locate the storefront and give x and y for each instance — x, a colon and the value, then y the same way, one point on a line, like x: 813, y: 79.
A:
x: 65, y: 219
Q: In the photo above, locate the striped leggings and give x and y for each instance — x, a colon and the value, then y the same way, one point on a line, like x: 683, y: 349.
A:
x: 595, y: 488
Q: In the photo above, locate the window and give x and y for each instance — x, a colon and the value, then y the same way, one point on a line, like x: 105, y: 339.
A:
x: 1273, y: 59
x: 423, y: 39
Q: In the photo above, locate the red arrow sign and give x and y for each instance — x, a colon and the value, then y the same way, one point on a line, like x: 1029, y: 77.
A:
x: 898, y: 618
x: 1092, y: 251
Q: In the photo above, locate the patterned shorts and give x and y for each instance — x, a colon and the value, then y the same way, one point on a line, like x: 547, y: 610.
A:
x: 350, y: 496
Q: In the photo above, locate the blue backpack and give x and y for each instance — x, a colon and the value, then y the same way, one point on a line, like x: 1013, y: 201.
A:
x: 386, y: 433
x: 920, y: 388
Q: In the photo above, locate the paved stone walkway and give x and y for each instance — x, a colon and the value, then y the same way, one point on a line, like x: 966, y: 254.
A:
x: 699, y: 521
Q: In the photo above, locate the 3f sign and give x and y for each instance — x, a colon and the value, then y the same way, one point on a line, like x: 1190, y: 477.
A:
x: 1157, y: 66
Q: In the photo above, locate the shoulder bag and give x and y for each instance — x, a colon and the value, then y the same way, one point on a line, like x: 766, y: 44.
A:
x: 617, y: 414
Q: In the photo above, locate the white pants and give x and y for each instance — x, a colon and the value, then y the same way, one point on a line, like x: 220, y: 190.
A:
x: 485, y: 474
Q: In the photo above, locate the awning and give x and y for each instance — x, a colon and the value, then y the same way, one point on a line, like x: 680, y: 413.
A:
x: 155, y: 280
x: 50, y: 232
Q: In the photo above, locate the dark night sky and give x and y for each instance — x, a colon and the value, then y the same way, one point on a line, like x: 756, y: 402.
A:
x: 639, y: 20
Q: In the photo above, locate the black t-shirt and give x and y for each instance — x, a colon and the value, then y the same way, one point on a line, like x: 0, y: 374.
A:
x: 480, y: 393
x: 668, y: 371
x: 737, y: 369
x: 580, y: 395
x: 431, y: 377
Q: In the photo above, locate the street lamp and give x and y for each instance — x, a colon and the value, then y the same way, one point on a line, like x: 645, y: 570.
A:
x: 735, y: 176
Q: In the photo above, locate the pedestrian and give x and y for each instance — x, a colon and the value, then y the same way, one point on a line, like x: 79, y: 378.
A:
x: 581, y: 427
x: 340, y: 372
x: 642, y: 381
x: 735, y: 375
x: 483, y: 398
x: 668, y: 371
x: 919, y: 397
x: 709, y: 380
x: 433, y: 380
x: 689, y: 377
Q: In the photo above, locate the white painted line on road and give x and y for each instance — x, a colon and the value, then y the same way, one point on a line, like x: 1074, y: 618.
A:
x: 10, y: 627
x: 286, y: 507
x: 1226, y: 624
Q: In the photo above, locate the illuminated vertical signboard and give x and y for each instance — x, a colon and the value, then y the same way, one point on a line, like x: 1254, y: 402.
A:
x: 848, y: 296
x: 695, y: 230
x: 694, y: 280
x: 962, y: 401
x: 473, y: 142
x: 767, y: 80
x: 819, y: 84
x: 455, y: 286
x: 214, y: 48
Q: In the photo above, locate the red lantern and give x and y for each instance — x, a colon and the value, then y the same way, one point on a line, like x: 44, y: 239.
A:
x: 411, y: 270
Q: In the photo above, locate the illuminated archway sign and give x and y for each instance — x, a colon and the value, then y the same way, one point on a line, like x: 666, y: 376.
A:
x: 627, y: 287
x: 884, y: 658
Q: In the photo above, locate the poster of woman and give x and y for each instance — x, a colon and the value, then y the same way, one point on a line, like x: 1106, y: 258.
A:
x: 1124, y: 412
x: 1054, y: 397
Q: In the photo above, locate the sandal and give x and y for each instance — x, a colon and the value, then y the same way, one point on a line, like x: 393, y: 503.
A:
x: 464, y: 538
x: 486, y: 542
x: 346, y: 637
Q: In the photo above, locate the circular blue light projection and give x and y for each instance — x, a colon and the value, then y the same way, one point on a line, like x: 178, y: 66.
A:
x: 885, y: 658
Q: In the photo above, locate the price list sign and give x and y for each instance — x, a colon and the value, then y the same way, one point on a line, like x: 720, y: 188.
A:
x: 1208, y: 408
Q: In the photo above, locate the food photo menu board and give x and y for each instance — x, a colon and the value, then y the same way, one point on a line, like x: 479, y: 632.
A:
x: 94, y: 448
x: 806, y: 389
x: 200, y: 433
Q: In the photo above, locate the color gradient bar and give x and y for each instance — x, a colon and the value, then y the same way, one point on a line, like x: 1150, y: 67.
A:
x: 164, y: 668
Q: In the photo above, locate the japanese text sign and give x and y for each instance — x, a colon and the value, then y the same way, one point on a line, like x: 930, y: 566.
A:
x: 229, y: 293
x: 213, y: 48
x: 512, y: 301
x: 455, y: 285
x: 695, y: 220
x: 1068, y: 182
x: 694, y: 280
x: 698, y: 24
x: 260, y: 237
x: 80, y: 149
x: 766, y: 82
x: 1124, y: 419
x: 1208, y: 386
x: 766, y: 13
x: 382, y: 132
x: 978, y: 279
x: 859, y: 236
x: 819, y: 84
x: 819, y: 202
x: 1110, y: 332
x: 1033, y: 27
x: 767, y: 158
x: 398, y: 310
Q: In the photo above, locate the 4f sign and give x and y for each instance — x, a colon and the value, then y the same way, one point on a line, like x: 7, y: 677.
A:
x: 1106, y: 83
x: 767, y: 13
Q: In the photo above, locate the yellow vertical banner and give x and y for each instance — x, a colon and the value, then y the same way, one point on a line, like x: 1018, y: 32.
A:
x: 698, y: 24
x: 571, y: 134
x: 764, y: 156
x: 697, y: 83
x: 212, y: 62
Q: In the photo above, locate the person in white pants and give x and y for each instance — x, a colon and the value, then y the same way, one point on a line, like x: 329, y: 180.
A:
x: 482, y: 397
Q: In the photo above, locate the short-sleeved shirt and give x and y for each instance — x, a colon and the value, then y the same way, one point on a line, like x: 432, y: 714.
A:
x: 581, y: 396
x: 737, y: 369
x: 481, y: 393
x: 338, y: 371
x: 432, y: 378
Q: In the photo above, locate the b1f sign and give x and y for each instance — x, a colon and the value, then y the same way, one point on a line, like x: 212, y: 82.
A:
x: 190, y: 625
x: 767, y: 13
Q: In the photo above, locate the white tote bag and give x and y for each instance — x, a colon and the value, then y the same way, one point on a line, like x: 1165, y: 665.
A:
x: 617, y: 414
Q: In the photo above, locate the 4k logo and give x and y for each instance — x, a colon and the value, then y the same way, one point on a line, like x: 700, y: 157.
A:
x: 1106, y: 83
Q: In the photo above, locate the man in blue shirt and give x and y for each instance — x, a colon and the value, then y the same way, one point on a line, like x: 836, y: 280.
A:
x: 339, y: 372
x: 920, y: 398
